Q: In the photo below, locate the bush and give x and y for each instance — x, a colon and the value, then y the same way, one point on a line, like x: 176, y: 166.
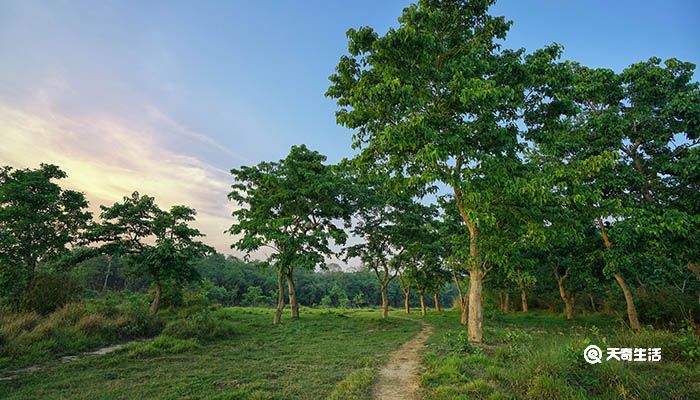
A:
x: 204, y: 325
x: 254, y: 297
x: 50, y: 291
x: 28, y: 338
x: 458, y: 343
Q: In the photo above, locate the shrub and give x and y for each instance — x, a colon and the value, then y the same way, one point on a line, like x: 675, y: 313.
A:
x: 50, y: 291
x: 13, y: 324
x: 458, y: 343
x: 204, y: 325
x: 92, y: 324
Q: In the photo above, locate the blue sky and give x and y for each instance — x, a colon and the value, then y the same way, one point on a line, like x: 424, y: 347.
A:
x: 166, y: 97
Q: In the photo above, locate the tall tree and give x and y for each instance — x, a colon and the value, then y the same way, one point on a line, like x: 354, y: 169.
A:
x: 636, y: 129
x: 394, y: 227
x: 436, y: 99
x: 295, y: 207
x: 157, y: 243
x: 39, y: 221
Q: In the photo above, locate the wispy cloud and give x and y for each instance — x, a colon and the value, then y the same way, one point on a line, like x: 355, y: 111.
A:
x: 107, y: 158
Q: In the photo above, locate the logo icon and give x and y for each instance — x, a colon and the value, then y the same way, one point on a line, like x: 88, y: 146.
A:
x: 593, y: 354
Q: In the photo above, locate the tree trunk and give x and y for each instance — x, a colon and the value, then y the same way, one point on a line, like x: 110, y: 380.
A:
x: 436, y: 299
x: 422, y: 304
x: 506, y: 303
x: 631, y: 310
x: 476, y: 317
x: 155, y: 305
x: 500, y: 300
x: 463, y: 305
x: 385, y: 302
x: 109, y: 270
x: 406, y: 305
x: 694, y: 268
x: 280, y: 298
x: 590, y: 297
x: 292, y: 295
x: 523, y: 296
x: 568, y: 302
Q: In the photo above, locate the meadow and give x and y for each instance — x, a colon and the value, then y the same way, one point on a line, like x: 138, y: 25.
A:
x: 335, y: 354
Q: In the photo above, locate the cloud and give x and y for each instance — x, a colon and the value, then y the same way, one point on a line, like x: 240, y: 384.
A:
x: 108, y: 158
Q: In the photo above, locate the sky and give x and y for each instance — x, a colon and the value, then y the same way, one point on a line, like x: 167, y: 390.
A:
x: 165, y: 97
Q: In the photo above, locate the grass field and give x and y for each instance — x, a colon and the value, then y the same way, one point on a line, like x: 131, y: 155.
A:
x: 303, y: 359
x: 538, y: 355
x: 335, y: 353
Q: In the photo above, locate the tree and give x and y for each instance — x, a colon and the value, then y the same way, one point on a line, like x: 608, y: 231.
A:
x: 254, y: 297
x: 157, y: 243
x: 436, y: 99
x: 636, y: 130
x: 39, y: 221
x: 407, y: 282
x: 292, y: 207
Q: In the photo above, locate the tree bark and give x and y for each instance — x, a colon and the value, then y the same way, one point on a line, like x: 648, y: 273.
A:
x: 631, y: 310
x: 463, y: 305
x: 406, y: 305
x: 294, y: 305
x: 280, y: 298
x: 422, y: 304
x: 436, y: 299
x: 464, y: 314
x: 500, y: 300
x: 385, y: 302
x: 523, y: 296
x: 109, y: 270
x: 590, y: 297
x: 568, y: 302
x: 476, y: 317
x: 155, y: 304
x: 506, y: 303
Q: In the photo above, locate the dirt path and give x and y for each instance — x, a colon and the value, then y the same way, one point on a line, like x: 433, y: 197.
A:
x: 99, y: 352
x: 398, y: 379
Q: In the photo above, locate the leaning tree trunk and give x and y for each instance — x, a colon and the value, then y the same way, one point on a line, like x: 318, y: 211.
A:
x: 155, y: 304
x: 463, y: 305
x: 436, y: 299
x: 109, y: 271
x: 476, y: 311
x: 422, y: 304
x: 590, y: 297
x: 523, y: 296
x: 280, y: 298
x: 292, y: 295
x: 406, y: 305
x: 568, y: 301
x: 385, y: 302
x: 631, y: 310
x: 464, y: 314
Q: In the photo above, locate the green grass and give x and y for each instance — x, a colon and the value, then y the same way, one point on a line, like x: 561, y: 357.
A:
x: 325, y: 353
x: 539, y: 356
x: 235, y: 353
x: 27, y: 338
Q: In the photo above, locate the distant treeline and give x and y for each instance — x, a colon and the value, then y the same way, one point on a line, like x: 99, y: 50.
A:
x: 232, y: 281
